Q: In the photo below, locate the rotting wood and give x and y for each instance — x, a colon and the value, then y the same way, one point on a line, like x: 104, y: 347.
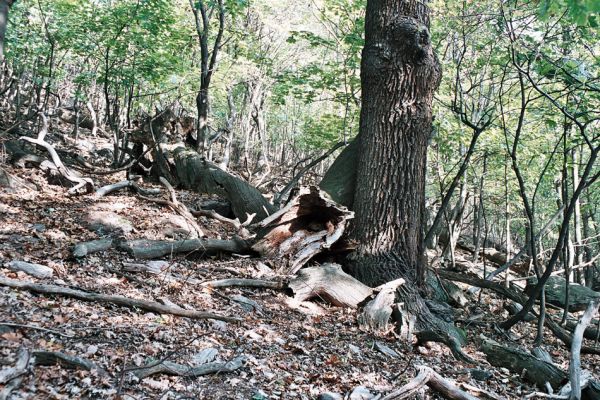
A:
x: 328, y: 281
x: 428, y: 377
x: 146, y: 305
x: 376, y: 314
x: 148, y: 249
x: 202, y: 176
x: 309, y: 224
x: 535, y: 370
x: 171, y: 368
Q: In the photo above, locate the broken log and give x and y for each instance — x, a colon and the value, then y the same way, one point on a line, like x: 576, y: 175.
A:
x: 339, y: 181
x: 377, y: 312
x: 202, y: 176
x: 520, y: 362
x: 147, y: 249
x: 328, y: 281
x: 171, y: 368
x: 83, y: 249
x: 309, y: 224
x: 151, y: 306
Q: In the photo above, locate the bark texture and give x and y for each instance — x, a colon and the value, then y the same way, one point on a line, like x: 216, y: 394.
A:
x: 399, y: 74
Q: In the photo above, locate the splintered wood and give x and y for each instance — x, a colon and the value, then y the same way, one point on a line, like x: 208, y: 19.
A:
x: 309, y: 224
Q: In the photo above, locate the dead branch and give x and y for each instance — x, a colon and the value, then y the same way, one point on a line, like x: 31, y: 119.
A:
x: 239, y: 226
x: 47, y: 358
x: 147, y: 249
x: 239, y: 282
x: 435, y: 381
x: 64, y: 171
x: 151, y: 306
x: 35, y: 327
x: 176, y: 206
x: 104, y: 190
x: 171, y: 368
x: 35, y: 270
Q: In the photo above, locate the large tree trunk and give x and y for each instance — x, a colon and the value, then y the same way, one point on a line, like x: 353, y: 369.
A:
x: 399, y: 74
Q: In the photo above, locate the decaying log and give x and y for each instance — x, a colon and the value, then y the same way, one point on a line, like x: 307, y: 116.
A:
x: 520, y: 362
x: 575, y: 361
x: 579, y: 296
x: 83, y: 249
x: 428, y: 377
x: 36, y: 270
x: 64, y: 171
x: 377, y: 312
x: 171, y: 368
x: 147, y: 249
x: 329, y: 282
x: 240, y: 282
x: 196, y: 173
x: 307, y: 225
x: 150, y: 306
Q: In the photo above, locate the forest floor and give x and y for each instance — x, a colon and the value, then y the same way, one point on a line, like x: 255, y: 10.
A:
x: 290, y: 352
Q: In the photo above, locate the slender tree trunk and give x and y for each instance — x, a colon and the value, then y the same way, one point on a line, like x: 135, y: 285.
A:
x: 4, y: 11
x: 507, y: 220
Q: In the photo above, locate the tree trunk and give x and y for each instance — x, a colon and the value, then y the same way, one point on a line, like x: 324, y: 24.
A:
x: 4, y: 9
x: 399, y: 74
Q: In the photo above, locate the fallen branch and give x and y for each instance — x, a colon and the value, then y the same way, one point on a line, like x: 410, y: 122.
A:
x: 435, y: 381
x: 94, y: 246
x: 238, y: 282
x: 176, y: 206
x: 151, y: 306
x: 35, y: 327
x: 64, y: 171
x: 47, y: 358
x: 171, y: 368
x: 35, y: 270
x: 147, y: 249
x: 239, y: 226
x: 129, y: 183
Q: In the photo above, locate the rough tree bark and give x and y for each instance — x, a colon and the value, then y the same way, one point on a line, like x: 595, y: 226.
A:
x: 399, y: 74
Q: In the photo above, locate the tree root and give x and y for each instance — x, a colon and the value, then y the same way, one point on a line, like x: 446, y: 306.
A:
x: 171, y: 368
